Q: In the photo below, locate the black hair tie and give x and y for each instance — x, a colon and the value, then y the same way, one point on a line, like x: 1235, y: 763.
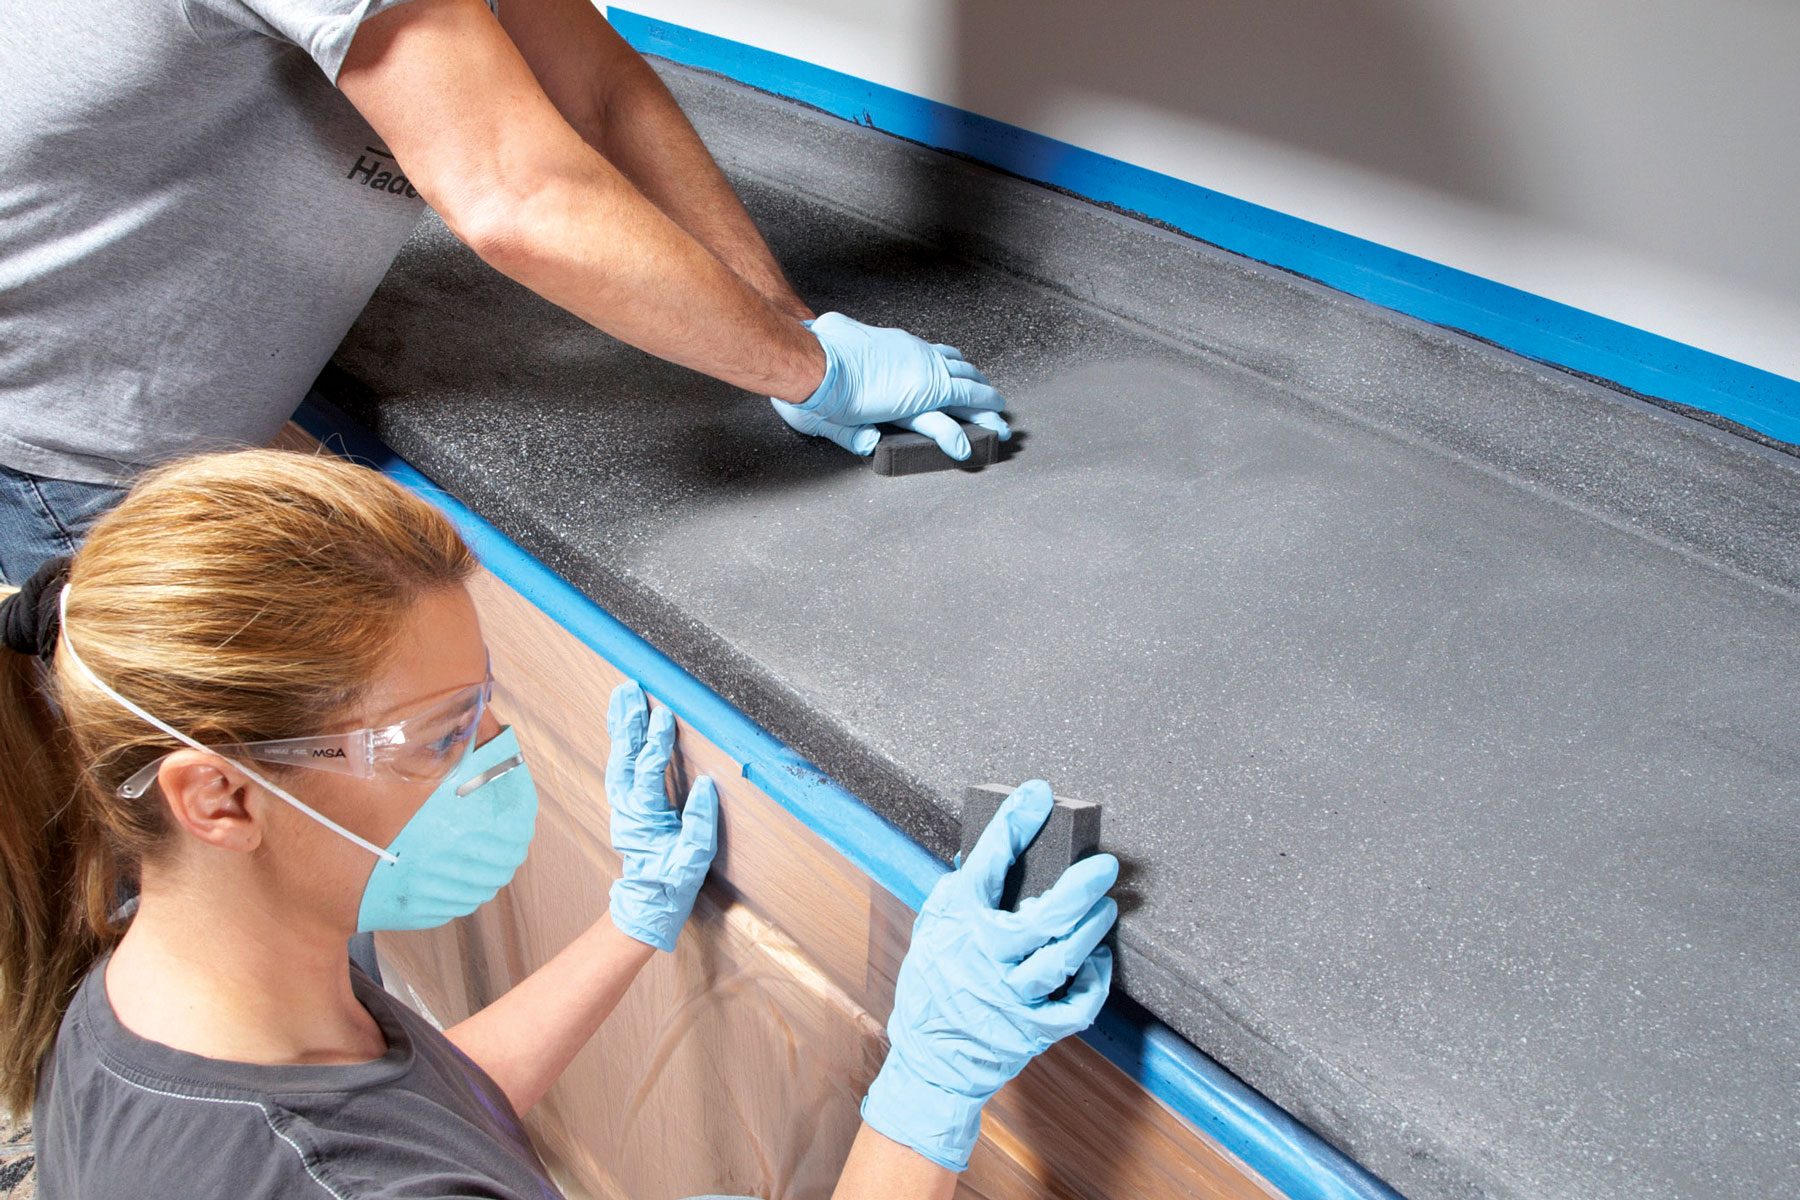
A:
x: 31, y: 618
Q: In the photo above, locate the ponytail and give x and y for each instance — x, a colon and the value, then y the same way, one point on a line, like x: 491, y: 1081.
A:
x: 57, y: 883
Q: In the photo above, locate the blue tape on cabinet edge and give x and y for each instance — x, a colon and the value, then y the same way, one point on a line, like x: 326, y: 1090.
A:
x: 1651, y: 365
x: 1285, y: 1153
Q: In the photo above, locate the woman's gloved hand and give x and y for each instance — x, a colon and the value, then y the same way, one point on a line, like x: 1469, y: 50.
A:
x: 665, y: 854
x: 875, y: 375
x: 972, y: 1005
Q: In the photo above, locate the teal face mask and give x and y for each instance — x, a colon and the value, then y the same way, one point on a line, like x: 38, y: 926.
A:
x: 461, y: 847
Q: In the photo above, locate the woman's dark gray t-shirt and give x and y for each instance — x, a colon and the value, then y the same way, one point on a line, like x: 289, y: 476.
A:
x: 120, y: 1117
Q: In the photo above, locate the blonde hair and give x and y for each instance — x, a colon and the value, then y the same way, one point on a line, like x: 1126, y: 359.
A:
x: 238, y: 596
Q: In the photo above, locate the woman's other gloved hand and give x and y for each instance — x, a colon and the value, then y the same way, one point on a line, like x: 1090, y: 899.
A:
x: 972, y: 1005
x: 665, y: 854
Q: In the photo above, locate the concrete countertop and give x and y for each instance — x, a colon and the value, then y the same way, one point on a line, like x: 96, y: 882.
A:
x: 1442, y: 705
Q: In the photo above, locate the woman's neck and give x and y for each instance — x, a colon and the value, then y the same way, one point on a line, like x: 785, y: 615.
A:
x: 237, y: 982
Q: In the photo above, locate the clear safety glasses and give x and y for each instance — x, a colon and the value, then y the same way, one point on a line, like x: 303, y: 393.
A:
x: 421, y: 748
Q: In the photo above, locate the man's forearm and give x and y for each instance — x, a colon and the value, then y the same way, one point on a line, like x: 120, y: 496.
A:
x: 607, y: 92
x: 644, y: 133
x: 526, y: 1038
x: 444, y: 85
x: 585, y: 239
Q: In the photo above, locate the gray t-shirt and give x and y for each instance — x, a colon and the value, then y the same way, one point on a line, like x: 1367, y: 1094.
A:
x: 191, y: 217
x: 121, y: 1118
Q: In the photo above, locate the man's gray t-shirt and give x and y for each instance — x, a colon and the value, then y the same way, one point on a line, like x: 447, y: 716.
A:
x: 119, y: 1117
x: 191, y: 217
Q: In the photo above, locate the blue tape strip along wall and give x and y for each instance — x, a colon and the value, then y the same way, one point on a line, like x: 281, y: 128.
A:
x: 1545, y: 330
x: 1273, y: 1144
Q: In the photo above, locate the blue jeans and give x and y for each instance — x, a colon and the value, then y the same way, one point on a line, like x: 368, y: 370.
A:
x: 42, y: 518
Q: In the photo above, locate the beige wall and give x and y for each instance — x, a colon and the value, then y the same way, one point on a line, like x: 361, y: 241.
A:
x: 1636, y: 158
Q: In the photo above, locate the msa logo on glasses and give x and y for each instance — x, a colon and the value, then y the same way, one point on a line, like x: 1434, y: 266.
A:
x: 301, y: 754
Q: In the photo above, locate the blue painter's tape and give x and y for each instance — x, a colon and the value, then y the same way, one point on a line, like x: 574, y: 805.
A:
x: 1266, y: 1139
x: 1284, y: 1152
x: 1529, y: 325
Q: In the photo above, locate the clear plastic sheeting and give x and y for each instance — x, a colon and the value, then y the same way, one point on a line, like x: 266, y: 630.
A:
x: 721, y: 1071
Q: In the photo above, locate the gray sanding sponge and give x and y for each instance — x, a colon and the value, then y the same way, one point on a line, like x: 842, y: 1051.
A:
x: 1071, y: 833
x: 903, y: 452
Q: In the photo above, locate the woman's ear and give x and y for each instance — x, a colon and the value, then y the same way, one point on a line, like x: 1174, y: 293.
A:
x: 209, y: 799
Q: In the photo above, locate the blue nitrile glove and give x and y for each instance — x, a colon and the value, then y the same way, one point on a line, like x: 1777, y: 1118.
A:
x: 857, y: 439
x: 972, y: 1004
x: 875, y: 375
x: 665, y: 854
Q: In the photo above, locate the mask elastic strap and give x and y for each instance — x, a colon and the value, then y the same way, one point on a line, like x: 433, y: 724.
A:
x: 321, y: 818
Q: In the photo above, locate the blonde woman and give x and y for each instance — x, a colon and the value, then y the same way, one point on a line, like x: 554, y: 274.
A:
x: 259, y: 691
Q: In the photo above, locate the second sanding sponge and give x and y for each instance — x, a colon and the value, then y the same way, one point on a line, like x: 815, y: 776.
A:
x: 1071, y: 833
x: 903, y: 452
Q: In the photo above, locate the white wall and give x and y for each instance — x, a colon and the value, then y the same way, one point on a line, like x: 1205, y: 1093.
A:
x: 1635, y: 158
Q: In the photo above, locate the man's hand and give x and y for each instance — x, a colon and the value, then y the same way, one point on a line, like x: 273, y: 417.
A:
x: 875, y: 376
x: 857, y: 439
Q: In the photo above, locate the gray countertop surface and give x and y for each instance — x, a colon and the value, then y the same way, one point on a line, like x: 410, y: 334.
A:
x: 1442, y: 705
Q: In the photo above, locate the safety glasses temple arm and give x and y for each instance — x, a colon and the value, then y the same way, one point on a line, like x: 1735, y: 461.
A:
x: 341, y: 753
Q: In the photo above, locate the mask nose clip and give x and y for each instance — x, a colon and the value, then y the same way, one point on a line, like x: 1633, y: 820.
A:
x: 488, y: 776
